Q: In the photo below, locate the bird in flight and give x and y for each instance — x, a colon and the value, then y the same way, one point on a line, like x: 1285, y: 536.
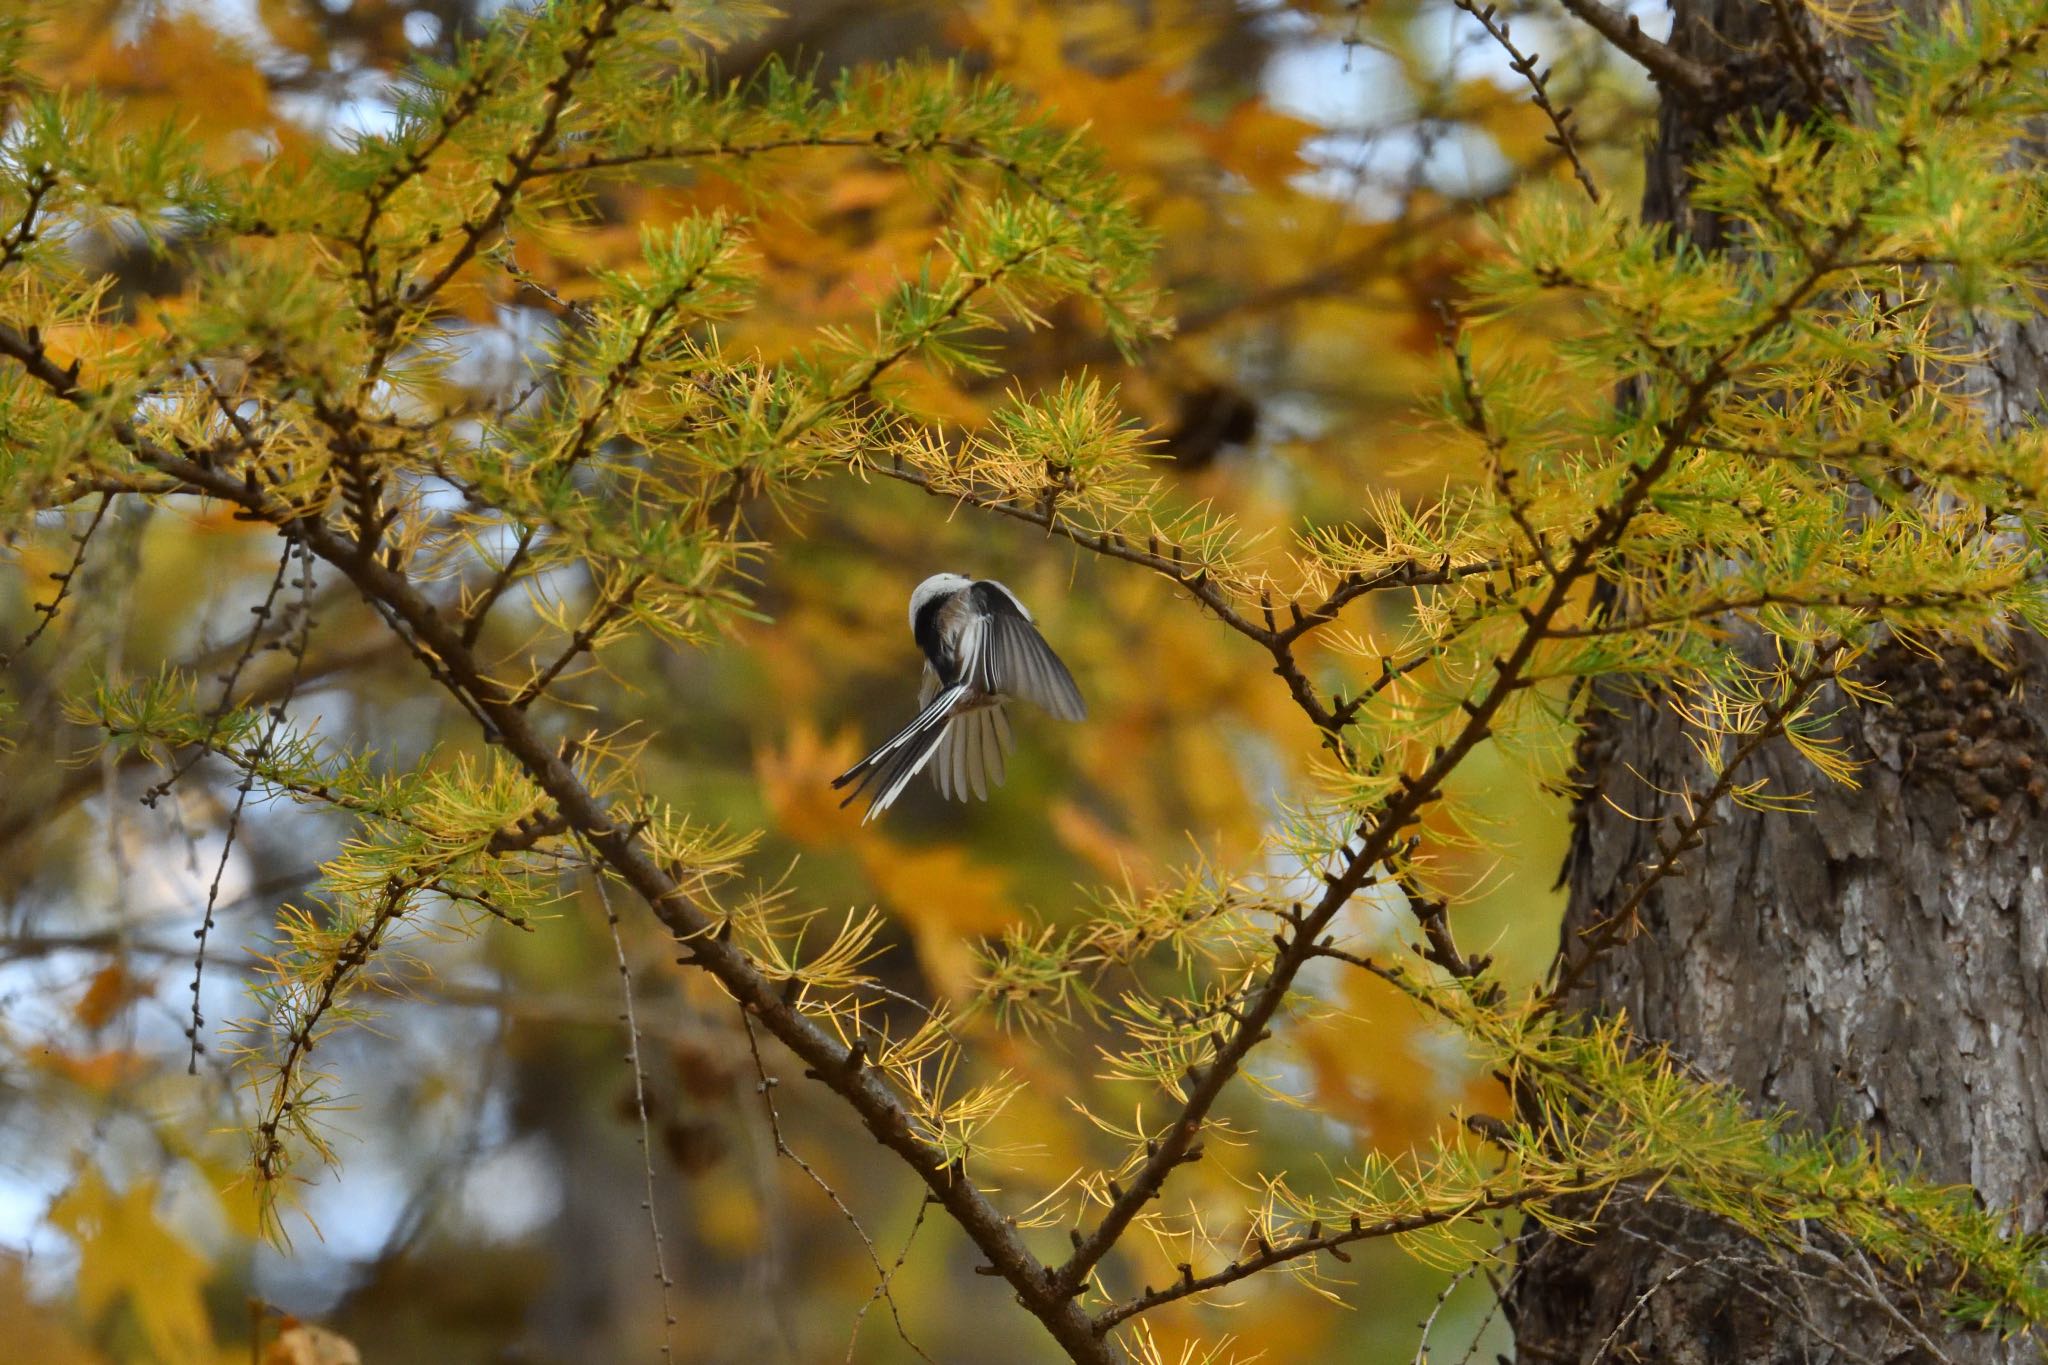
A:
x: 980, y: 649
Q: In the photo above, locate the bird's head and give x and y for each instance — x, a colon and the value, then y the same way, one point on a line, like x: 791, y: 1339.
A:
x: 937, y: 586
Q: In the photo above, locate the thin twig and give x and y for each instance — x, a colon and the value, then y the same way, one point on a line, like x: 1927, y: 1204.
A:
x: 1524, y: 65
x: 1642, y: 1300
x: 1436, y: 1309
x: 229, y: 680
x: 272, y: 724
x: 632, y: 1022
x: 766, y: 1089
x: 1310, y: 1244
x: 64, y: 577
x: 881, y: 1290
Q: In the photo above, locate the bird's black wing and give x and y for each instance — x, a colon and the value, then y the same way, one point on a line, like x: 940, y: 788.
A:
x: 1004, y: 652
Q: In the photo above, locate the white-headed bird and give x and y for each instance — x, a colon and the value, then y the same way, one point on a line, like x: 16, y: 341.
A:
x: 980, y: 649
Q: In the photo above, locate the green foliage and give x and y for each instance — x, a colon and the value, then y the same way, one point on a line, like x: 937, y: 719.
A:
x: 1726, y: 474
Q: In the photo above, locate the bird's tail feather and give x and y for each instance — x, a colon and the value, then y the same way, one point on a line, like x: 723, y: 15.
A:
x: 889, y: 768
x: 970, y: 756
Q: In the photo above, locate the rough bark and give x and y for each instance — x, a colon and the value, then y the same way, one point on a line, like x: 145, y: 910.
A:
x: 1881, y: 961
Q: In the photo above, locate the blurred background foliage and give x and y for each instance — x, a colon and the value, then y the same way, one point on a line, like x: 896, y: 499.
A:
x: 1317, y: 174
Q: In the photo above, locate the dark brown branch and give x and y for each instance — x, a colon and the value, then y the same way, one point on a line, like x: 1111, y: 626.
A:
x: 23, y: 234
x: 396, y: 177
x: 1680, y: 78
x: 86, y: 486
x: 582, y: 443
x: 527, y: 833
x: 1270, y: 1255
x: 356, y: 952
x: 1433, y: 914
x: 520, y: 163
x: 271, y: 726
x: 601, y: 615
x: 1873, y: 602
x: 1381, y: 833
x: 1277, y: 640
x: 880, y: 1110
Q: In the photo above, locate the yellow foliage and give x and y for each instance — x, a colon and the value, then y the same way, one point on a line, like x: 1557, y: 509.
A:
x: 781, y: 350
x: 129, y: 1261
x: 31, y: 1332
x: 949, y: 902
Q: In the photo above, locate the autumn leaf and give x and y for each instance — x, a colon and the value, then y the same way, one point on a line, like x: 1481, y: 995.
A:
x: 127, y: 1259
x: 947, y: 900
x: 112, y: 988
x: 98, y: 1071
x: 1260, y: 143
x: 796, y: 782
x: 30, y: 1331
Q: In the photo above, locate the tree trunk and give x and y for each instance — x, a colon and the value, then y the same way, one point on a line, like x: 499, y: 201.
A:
x: 1881, y: 961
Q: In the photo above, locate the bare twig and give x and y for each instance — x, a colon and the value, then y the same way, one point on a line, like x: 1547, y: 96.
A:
x: 1436, y: 1308
x: 1642, y: 1300
x: 64, y: 577
x: 1310, y: 1244
x: 272, y: 724
x: 1524, y: 65
x: 632, y: 1022
x: 881, y: 1290
x: 766, y: 1089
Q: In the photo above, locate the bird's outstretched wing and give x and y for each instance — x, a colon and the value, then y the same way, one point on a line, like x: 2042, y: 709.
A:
x: 889, y: 768
x: 1002, y: 652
